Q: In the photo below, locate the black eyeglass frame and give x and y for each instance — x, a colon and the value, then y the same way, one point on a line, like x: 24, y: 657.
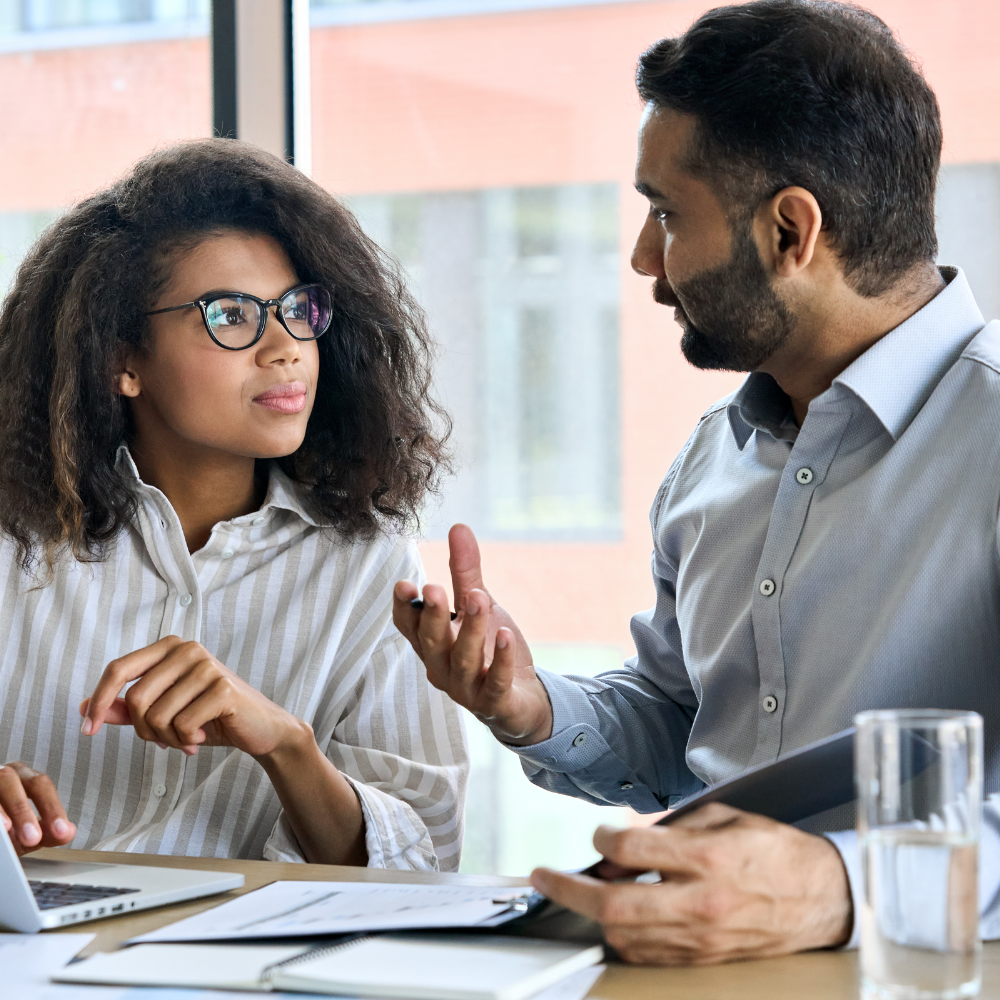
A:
x: 265, y: 306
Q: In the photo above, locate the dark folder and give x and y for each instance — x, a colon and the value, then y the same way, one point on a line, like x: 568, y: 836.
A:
x: 807, y: 781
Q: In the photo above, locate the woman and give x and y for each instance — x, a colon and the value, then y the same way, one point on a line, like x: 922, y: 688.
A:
x: 216, y: 423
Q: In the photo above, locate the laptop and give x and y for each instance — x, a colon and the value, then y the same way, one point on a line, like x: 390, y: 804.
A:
x: 36, y: 893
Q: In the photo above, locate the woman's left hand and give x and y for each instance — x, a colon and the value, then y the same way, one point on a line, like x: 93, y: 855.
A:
x: 183, y: 698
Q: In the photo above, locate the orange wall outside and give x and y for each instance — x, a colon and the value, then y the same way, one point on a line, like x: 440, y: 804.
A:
x: 540, y: 97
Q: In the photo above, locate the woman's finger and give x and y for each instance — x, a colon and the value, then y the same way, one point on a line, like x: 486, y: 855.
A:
x: 26, y: 831
x: 117, y: 674
x: 176, y: 701
x: 40, y: 789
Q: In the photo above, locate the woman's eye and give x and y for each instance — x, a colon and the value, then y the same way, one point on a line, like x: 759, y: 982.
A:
x: 233, y: 316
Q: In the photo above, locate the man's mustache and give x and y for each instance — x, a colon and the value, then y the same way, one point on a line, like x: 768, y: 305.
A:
x: 663, y: 294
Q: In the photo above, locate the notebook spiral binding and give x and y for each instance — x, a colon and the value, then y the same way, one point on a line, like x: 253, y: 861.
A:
x: 327, y: 949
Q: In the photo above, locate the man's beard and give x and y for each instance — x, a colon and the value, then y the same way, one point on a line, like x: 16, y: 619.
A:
x: 741, y: 321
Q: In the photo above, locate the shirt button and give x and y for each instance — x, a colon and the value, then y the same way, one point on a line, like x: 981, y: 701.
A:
x: 580, y: 739
x: 227, y: 553
x: 770, y: 703
x: 159, y: 791
x: 626, y: 786
x: 804, y: 476
x: 258, y: 521
x: 767, y: 587
x: 185, y: 600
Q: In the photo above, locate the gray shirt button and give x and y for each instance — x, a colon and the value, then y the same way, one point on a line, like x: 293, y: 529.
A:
x: 580, y: 739
x: 767, y: 587
x: 258, y: 521
x: 804, y: 476
x: 227, y: 553
x: 159, y: 791
x: 185, y: 600
x: 770, y: 703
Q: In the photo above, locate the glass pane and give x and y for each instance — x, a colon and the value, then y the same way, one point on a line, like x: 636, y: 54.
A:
x: 86, y: 88
x: 489, y: 147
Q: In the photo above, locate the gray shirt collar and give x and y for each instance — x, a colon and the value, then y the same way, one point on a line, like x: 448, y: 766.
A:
x: 893, y: 378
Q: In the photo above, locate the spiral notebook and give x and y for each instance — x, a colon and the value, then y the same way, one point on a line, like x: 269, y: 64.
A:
x: 410, y: 966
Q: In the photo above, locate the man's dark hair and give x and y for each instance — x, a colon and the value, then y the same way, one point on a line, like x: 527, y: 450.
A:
x: 814, y: 94
x: 79, y: 304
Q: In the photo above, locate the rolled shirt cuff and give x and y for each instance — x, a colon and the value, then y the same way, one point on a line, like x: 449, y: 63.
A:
x: 394, y: 835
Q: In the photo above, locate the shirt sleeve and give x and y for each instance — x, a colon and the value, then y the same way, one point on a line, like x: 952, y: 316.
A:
x: 925, y: 918
x: 401, y: 744
x: 620, y: 738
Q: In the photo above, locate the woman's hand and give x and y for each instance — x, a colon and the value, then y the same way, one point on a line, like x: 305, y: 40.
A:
x: 183, y: 698
x: 23, y: 790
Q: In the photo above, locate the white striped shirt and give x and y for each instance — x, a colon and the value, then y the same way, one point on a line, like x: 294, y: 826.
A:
x: 300, y: 614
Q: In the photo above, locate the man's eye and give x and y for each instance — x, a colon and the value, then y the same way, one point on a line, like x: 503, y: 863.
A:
x: 660, y: 214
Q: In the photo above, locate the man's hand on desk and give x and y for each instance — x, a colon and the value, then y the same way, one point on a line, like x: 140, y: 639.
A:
x: 23, y: 790
x: 480, y: 660
x: 734, y: 886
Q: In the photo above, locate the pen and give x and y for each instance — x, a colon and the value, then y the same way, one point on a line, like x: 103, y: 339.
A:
x: 419, y: 605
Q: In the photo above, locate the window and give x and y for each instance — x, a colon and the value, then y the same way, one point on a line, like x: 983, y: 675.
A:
x: 521, y: 288
x: 968, y: 227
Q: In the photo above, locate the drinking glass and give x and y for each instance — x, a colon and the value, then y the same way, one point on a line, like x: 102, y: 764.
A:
x: 919, y: 777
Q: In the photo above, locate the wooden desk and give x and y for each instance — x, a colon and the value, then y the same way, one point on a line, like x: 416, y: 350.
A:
x: 813, y: 976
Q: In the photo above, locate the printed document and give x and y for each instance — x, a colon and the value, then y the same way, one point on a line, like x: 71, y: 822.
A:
x: 301, y: 909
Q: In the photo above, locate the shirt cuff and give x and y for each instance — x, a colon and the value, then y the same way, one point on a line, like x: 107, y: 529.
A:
x: 575, y: 741
x: 394, y: 835
x: 846, y: 842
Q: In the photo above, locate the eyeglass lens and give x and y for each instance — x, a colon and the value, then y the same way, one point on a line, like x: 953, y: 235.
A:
x: 235, y: 319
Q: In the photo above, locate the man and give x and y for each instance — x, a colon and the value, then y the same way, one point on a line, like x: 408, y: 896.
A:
x: 826, y: 541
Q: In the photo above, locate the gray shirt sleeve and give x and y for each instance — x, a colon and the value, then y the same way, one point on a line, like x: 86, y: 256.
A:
x: 620, y: 738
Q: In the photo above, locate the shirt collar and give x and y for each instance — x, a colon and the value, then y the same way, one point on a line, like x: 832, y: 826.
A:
x: 897, y: 374
x: 282, y: 492
x: 894, y: 377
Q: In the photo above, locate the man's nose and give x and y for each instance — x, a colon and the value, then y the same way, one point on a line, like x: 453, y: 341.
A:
x: 647, y: 254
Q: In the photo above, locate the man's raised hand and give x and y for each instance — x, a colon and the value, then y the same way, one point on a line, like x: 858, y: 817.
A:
x: 480, y: 660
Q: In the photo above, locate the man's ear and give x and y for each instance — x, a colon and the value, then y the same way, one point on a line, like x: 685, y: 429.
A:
x: 792, y: 222
x: 128, y: 382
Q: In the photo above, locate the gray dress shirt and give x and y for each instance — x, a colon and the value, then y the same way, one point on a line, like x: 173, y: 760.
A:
x: 805, y: 574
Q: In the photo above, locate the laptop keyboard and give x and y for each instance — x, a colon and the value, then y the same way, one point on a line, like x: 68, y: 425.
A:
x: 49, y: 895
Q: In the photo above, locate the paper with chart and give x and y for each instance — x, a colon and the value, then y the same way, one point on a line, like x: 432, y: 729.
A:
x: 302, y: 909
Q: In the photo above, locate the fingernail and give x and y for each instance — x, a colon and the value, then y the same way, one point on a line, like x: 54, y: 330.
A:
x: 60, y: 828
x: 429, y: 604
x: 162, y: 746
x: 190, y: 751
x: 29, y: 833
x: 87, y: 727
x: 471, y: 607
x: 501, y: 642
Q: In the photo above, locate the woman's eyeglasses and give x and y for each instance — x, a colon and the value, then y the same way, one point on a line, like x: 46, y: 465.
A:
x: 236, y: 320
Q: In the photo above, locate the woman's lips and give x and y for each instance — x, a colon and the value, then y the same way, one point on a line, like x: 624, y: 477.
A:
x: 287, y: 397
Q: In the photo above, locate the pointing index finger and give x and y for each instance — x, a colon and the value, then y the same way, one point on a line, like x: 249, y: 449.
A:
x: 117, y: 674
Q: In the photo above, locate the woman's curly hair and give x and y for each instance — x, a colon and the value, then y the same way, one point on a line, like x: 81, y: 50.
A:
x: 375, y: 442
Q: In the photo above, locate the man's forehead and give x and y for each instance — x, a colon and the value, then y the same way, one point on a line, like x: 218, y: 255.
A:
x: 665, y: 138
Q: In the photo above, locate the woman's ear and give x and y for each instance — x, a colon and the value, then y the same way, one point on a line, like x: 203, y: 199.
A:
x: 129, y: 383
